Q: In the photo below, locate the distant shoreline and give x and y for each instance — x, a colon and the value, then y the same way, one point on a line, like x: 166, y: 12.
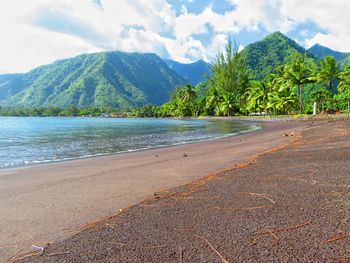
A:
x: 48, y: 162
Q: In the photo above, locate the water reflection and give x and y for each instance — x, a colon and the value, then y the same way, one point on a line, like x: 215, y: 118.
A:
x: 30, y: 140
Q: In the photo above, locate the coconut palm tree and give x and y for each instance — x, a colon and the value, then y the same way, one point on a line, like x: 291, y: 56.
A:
x: 329, y: 71
x: 258, y: 93
x: 298, y: 73
x: 344, y: 81
x: 283, y: 102
x: 344, y: 78
x: 281, y: 97
x: 212, y: 101
x: 187, y: 94
x: 186, y: 98
x: 227, y: 105
x: 321, y: 96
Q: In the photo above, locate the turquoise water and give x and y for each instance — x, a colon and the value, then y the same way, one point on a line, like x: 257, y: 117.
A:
x: 26, y: 141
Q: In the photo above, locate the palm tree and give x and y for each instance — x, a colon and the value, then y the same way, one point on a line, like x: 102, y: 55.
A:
x: 298, y: 73
x: 187, y: 94
x: 258, y: 96
x: 283, y: 100
x: 320, y: 96
x: 281, y: 97
x: 344, y: 78
x: 344, y: 81
x: 186, y: 98
x: 329, y: 71
x: 227, y: 104
x: 212, y: 101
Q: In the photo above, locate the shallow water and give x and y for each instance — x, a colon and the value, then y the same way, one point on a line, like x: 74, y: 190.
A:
x: 26, y: 141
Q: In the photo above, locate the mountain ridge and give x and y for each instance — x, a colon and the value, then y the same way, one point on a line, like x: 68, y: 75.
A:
x: 194, y: 73
x: 321, y: 52
x: 105, y: 79
x: 264, y: 56
x: 126, y: 80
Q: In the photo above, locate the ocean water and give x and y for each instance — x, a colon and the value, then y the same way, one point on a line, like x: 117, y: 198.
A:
x: 25, y: 141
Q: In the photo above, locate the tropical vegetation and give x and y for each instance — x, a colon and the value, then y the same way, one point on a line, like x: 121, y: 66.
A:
x: 274, y: 76
x: 101, y: 80
x: 233, y: 89
x: 70, y: 111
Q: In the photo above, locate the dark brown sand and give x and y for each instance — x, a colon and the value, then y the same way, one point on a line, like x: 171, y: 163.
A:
x: 290, y: 205
x: 48, y: 203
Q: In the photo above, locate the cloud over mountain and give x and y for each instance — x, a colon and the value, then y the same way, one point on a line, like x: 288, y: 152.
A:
x: 37, y: 31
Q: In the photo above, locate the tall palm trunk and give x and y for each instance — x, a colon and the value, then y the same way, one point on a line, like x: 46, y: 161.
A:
x: 330, y: 90
x: 300, y: 88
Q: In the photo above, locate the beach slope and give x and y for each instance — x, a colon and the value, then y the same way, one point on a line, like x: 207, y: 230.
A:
x: 48, y: 203
x: 291, y: 205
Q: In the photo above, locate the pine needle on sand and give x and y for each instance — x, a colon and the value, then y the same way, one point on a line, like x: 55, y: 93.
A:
x: 213, y: 248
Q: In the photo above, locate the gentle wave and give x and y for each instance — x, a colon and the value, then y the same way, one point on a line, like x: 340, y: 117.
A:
x: 46, y: 140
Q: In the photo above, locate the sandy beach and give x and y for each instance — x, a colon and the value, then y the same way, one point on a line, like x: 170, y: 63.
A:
x: 290, y: 205
x: 48, y: 203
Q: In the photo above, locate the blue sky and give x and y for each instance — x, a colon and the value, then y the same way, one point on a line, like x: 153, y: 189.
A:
x: 37, y: 32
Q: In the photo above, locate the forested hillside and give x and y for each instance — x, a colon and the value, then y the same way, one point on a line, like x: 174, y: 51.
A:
x: 193, y: 73
x: 263, y: 57
x: 107, y: 79
x: 321, y: 52
x: 274, y: 76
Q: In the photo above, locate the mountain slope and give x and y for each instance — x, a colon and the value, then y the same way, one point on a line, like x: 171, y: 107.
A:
x: 322, y: 51
x: 274, y: 50
x: 106, y: 79
x: 194, y: 73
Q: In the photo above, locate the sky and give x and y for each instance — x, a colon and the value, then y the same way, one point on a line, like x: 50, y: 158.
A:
x: 36, y: 32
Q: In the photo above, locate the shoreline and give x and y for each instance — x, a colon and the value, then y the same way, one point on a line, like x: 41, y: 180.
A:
x: 54, y: 200
x: 288, y: 204
x: 258, y: 124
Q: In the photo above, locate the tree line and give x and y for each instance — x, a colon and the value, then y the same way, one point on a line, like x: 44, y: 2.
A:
x: 292, y: 89
x: 231, y: 90
x: 71, y: 111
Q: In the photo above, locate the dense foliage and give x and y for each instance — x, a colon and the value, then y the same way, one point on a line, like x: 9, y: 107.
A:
x: 107, y: 79
x: 234, y: 89
x: 273, y: 76
x: 263, y: 57
x: 70, y: 111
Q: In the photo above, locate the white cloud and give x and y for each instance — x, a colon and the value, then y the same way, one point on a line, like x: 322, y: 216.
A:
x: 332, y: 16
x: 37, y: 32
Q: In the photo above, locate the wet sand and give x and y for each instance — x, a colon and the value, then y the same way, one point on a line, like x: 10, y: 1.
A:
x: 48, y: 203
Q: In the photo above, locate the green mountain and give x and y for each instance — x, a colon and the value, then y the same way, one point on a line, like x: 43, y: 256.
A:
x: 322, y: 51
x: 193, y: 73
x: 106, y: 79
x: 274, y: 50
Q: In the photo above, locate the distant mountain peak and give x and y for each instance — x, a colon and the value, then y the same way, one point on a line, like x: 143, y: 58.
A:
x: 276, y: 49
x: 195, y: 72
x: 276, y: 34
x: 319, y: 46
x: 321, y: 51
x: 316, y: 45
